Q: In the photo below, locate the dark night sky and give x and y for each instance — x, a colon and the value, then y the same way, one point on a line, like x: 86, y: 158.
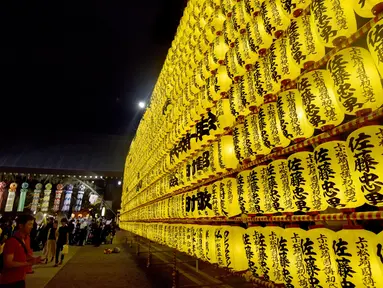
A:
x: 73, y: 67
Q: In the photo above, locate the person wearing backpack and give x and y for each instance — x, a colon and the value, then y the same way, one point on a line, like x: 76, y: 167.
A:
x: 16, y: 258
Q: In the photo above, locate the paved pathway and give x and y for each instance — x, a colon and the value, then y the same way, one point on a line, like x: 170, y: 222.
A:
x: 91, y: 268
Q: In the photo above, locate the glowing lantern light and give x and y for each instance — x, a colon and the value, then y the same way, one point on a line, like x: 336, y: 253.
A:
x: 216, y: 22
x: 225, y: 119
x: 227, y: 157
x: 227, y: 7
x: 215, y: 154
x: 251, y: 250
x: 273, y: 261
x: 238, y: 103
x: 198, y: 232
x: 279, y: 189
x: 291, y: 256
x: 263, y: 176
x: 258, y: 35
x: 367, y: 8
x: 239, y: 142
x: 11, y: 197
x: 274, y: 18
x: 304, y: 183
x: 355, y: 251
x: 240, y: 17
x: 229, y: 32
x: 235, y: 256
x: 375, y: 44
x: 334, y: 20
x: 229, y: 197
x: 356, y: 81
x: 253, y: 7
x: 219, y: 246
x: 251, y: 95
x: 318, y: 95
x: 366, y: 160
x: 304, y: 43
x: 255, y: 135
x: 216, y: 199
x: 209, y: 244
x: 283, y: 67
x: 250, y: 196
x: 218, y: 52
x: 270, y: 127
x: 335, y: 180
x: 292, y: 117
x: 294, y: 8
x: 246, y: 51
x: 221, y: 83
x: 262, y: 252
x: 234, y: 68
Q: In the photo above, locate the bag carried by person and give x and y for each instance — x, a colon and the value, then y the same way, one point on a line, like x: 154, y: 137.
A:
x: 65, y: 249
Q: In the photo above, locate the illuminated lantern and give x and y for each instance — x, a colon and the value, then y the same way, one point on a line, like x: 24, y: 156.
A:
x: 355, y: 251
x: 205, y: 203
x: 294, y: 8
x: 227, y: 158
x: 219, y: 246
x: 250, y: 93
x: 366, y: 160
x: 270, y: 127
x: 216, y: 22
x: 254, y: 134
x: 291, y: 256
x: 375, y: 44
x: 242, y: 144
x: 215, y: 199
x: 272, y: 236
x: 292, y: 117
x: 262, y: 251
x: 233, y: 66
x: 251, y: 249
x: 263, y: 179
x: 247, y: 53
x: 235, y: 256
x: 283, y: 67
x: 274, y: 18
x: 238, y: 102
x: 319, y: 100
x: 209, y: 244
x: 334, y: 20
x: 216, y: 162
x: 258, y: 37
x: 229, y: 197
x: 218, y: 52
x: 227, y: 7
x: 253, y: 7
x: 335, y: 180
x: 319, y: 257
x: 304, y: 183
x: 47, y: 194
x: 250, y: 196
x: 367, y: 8
x: 240, y: 17
x: 67, y: 199
x: 265, y: 86
x: 229, y: 32
x: 36, y: 197
x: 225, y: 119
x: 356, y: 81
x: 11, y: 197
x: 221, y: 83
x: 304, y: 43
x: 279, y: 189
x: 198, y: 232
x: 23, y: 194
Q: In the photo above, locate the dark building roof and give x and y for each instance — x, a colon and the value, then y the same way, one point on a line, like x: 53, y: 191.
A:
x: 83, y: 154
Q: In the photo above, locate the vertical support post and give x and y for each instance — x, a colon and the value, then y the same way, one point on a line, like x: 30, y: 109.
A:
x: 196, y: 266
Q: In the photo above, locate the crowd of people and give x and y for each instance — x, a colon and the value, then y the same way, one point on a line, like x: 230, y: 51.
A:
x: 21, y: 236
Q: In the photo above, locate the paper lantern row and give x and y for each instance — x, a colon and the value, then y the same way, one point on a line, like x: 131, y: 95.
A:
x: 294, y: 257
x: 337, y: 174
x: 303, y: 46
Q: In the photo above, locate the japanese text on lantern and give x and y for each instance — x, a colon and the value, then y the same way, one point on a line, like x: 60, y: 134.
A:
x: 253, y: 180
x: 376, y: 40
x: 343, y: 261
x: 249, y: 254
x: 364, y: 262
x: 297, y: 181
x: 310, y: 260
x: 298, y: 256
x: 326, y: 260
x: 308, y: 97
x: 285, y: 262
x: 345, y: 172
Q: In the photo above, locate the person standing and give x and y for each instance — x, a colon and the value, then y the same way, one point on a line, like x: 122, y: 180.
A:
x: 50, y: 250
x: 62, y: 238
x: 15, y: 255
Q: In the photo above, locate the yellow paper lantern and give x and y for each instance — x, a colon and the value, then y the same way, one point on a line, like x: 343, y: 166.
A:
x: 238, y: 140
x: 189, y: 239
x: 292, y: 117
x: 282, y: 65
x: 304, y: 183
x: 356, y: 81
x: 209, y: 244
x: 262, y: 251
x: 234, y: 68
x: 238, y: 102
x: 319, y: 100
x: 240, y: 17
x: 366, y: 160
x: 274, y: 18
x: 255, y: 134
x: 229, y: 197
x: 375, y: 44
x: 217, y: 20
x: 250, y: 196
x: 294, y: 8
x: 270, y: 127
x: 224, y: 116
x: 235, y: 256
x: 227, y: 7
x: 217, y: 165
x: 279, y: 189
x: 334, y: 20
x: 251, y: 95
x: 291, y: 257
x: 335, y: 180
x: 216, y: 199
x: 304, y: 43
x: 253, y: 7
x: 273, y: 262
x: 358, y: 264
x: 199, y: 244
x: 259, y: 39
x: 264, y: 84
x: 263, y: 176
x: 218, y: 52
x: 227, y: 158
x: 367, y: 8
x: 229, y: 32
x: 247, y: 53
x: 219, y: 246
x: 251, y: 249
x: 221, y: 83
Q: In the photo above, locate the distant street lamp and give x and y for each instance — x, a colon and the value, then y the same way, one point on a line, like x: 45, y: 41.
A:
x: 141, y: 105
